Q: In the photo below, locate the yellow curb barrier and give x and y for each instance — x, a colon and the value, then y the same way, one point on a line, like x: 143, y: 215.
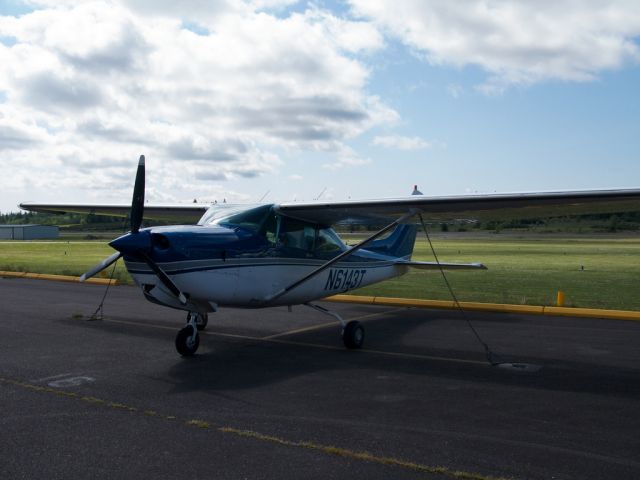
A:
x: 59, y: 278
x: 488, y: 307
x: 401, y: 302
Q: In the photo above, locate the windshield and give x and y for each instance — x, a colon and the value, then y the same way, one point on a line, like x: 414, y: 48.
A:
x: 222, y: 211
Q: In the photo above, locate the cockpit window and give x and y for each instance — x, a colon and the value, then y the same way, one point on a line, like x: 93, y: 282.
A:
x: 308, y: 237
x: 328, y: 241
x: 304, y: 238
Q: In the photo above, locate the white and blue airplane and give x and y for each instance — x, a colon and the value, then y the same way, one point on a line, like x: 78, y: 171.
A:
x: 256, y: 256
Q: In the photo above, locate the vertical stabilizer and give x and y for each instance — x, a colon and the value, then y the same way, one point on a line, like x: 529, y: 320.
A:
x: 399, y: 244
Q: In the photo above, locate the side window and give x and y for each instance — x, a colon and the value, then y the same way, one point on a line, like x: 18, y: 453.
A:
x: 327, y: 242
x: 308, y: 237
x: 270, y: 228
x: 296, y: 234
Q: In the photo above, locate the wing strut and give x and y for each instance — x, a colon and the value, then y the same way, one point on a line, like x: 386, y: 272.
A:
x: 342, y: 256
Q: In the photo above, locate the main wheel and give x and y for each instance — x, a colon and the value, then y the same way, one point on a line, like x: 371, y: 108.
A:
x: 186, y: 343
x: 353, y: 335
x: 201, y: 320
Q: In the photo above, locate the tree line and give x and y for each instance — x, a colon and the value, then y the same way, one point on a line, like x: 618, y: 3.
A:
x: 628, y: 221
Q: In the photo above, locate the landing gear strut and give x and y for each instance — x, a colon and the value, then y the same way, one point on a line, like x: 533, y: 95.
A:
x: 188, y: 340
x: 352, y: 332
x: 201, y: 320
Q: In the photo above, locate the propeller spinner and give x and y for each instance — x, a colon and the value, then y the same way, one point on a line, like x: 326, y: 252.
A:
x: 137, y: 243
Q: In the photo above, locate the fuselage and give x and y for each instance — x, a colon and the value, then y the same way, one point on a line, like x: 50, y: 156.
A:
x: 241, y: 257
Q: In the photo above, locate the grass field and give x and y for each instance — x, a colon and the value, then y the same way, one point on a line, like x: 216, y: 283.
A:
x: 522, y: 270
x: 58, y: 257
x: 528, y: 271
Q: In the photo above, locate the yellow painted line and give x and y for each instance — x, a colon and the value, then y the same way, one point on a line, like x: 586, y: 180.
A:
x: 330, y: 324
x: 235, y: 336
x: 59, y: 278
x: 364, y: 456
x: 309, y: 445
x: 419, y: 356
x: 302, y: 330
x: 489, y: 307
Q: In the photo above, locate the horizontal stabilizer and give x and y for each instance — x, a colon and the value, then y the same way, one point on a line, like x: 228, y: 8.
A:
x: 443, y: 265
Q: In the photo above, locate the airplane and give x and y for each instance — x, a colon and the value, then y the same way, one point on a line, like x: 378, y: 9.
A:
x: 285, y: 254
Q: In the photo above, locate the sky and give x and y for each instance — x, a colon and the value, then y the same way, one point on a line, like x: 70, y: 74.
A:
x: 284, y: 100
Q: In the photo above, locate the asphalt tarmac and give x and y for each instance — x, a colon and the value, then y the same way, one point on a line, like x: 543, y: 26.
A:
x: 273, y: 394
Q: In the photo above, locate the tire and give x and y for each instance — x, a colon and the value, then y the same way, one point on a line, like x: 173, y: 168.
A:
x: 353, y: 335
x: 183, y: 345
x: 202, y: 319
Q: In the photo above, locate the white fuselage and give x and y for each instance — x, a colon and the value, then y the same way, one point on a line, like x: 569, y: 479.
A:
x: 249, y: 282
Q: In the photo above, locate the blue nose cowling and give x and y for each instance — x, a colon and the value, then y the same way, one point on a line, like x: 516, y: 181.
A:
x: 131, y: 243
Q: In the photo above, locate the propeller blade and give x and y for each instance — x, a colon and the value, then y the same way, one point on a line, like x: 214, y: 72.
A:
x: 137, y: 203
x: 164, y: 278
x: 101, y: 266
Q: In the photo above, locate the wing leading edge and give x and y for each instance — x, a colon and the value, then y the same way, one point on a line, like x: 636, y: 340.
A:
x: 176, y: 212
x: 472, y: 207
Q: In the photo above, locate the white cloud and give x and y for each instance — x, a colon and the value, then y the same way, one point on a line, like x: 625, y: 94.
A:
x: 401, y: 143
x: 516, y: 42
x: 102, y: 81
x: 346, y: 157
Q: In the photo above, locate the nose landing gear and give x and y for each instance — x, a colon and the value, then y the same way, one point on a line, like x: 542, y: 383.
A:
x: 201, y: 320
x: 187, y: 339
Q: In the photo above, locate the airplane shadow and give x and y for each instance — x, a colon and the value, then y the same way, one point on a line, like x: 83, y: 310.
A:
x: 242, y: 364
x: 392, y: 348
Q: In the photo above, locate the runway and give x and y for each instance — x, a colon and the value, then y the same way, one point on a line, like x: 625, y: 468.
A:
x: 273, y: 394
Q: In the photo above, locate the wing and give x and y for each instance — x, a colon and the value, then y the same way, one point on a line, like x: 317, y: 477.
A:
x: 472, y: 207
x: 188, y: 213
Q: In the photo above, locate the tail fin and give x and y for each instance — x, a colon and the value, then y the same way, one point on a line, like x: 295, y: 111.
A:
x: 399, y: 244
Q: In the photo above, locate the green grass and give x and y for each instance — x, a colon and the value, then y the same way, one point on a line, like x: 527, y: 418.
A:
x: 58, y: 257
x: 522, y: 270
x: 528, y: 271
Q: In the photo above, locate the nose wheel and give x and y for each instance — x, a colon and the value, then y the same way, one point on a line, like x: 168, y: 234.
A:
x: 187, y: 339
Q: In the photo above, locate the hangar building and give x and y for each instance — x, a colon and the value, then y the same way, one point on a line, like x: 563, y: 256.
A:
x: 28, y: 232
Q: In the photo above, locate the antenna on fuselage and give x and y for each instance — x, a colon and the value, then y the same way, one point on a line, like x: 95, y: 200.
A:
x: 263, y: 196
x: 416, y: 191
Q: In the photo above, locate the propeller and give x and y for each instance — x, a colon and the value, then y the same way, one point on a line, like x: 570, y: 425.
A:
x: 101, y: 266
x: 137, y: 243
x: 137, y: 202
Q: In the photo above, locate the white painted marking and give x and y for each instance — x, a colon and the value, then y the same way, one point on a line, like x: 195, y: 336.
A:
x: 71, y: 382
x: 44, y: 379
